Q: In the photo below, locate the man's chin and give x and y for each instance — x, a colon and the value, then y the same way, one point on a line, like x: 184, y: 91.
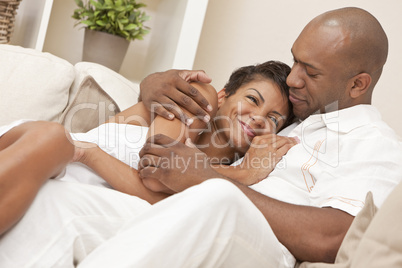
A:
x: 301, y: 114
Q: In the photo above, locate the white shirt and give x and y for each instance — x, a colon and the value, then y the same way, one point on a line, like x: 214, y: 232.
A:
x: 342, y: 156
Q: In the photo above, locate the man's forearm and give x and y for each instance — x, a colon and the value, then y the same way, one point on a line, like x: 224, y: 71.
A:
x: 310, y: 233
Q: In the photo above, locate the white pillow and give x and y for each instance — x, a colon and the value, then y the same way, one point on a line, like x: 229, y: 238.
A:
x: 120, y: 89
x: 33, y: 85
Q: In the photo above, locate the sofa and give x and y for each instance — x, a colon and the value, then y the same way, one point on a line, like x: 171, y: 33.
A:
x: 41, y: 86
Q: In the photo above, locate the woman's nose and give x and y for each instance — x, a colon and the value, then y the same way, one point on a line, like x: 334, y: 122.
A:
x: 258, y: 121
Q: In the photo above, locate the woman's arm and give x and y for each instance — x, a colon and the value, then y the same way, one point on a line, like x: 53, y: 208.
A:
x: 135, y: 115
x: 119, y: 175
x: 179, y: 131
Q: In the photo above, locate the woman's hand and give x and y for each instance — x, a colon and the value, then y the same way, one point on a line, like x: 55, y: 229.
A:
x: 81, y: 150
x: 264, y: 153
x: 165, y: 92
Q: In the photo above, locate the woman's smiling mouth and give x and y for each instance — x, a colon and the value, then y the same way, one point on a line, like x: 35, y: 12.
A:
x: 247, y: 129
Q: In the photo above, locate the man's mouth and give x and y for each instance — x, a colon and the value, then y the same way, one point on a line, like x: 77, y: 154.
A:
x: 294, y: 99
x: 247, y: 129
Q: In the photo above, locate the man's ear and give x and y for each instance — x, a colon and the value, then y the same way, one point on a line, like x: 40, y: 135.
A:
x: 221, y: 97
x: 359, y: 85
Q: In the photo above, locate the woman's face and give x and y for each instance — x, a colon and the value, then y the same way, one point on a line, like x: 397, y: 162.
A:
x: 257, y: 108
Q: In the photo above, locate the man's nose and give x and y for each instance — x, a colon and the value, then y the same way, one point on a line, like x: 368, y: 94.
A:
x: 294, y: 79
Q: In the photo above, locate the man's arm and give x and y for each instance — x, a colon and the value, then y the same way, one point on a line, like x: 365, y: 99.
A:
x: 167, y: 91
x: 310, y: 233
x: 260, y: 159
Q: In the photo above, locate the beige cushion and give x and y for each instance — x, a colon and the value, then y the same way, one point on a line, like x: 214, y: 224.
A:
x: 33, y: 85
x: 352, y: 238
x: 123, y: 91
x: 91, y: 107
x: 381, y: 244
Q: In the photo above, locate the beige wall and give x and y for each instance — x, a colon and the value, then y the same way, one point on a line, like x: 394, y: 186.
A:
x: 241, y: 32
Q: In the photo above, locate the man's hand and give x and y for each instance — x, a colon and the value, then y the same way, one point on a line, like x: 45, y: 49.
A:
x: 165, y: 92
x: 174, y: 164
x: 264, y: 153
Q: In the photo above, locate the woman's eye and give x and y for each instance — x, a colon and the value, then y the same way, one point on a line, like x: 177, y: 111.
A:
x: 253, y: 99
x: 273, y: 118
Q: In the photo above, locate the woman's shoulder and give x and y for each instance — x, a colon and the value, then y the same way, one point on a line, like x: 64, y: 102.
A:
x: 209, y: 92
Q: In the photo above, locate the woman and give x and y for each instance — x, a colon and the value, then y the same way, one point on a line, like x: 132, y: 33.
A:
x: 253, y: 103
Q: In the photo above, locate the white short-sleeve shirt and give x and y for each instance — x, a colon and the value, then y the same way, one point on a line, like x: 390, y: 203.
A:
x: 342, y: 156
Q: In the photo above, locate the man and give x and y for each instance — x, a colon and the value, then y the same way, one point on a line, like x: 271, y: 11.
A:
x: 338, y: 59
x: 301, y: 211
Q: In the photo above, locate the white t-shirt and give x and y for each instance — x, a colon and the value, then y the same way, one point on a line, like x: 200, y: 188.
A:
x: 342, y: 156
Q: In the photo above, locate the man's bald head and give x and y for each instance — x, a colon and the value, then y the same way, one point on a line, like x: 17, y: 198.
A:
x: 339, y: 58
x: 364, y: 46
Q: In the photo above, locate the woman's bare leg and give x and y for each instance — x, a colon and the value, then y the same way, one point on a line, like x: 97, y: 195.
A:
x: 30, y: 154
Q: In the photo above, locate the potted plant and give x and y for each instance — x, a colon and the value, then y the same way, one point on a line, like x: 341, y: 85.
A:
x: 110, y: 25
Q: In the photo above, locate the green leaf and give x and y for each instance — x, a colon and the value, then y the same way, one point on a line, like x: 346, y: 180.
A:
x: 79, y: 3
x: 111, y: 14
x: 87, y: 22
x: 109, y: 3
x: 118, y: 3
x: 130, y: 27
x: 119, y: 17
x: 126, y: 34
x: 96, y: 4
x: 120, y: 9
x: 121, y: 27
x: 100, y: 23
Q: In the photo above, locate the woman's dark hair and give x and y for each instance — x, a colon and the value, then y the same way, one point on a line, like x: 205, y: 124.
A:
x: 276, y: 71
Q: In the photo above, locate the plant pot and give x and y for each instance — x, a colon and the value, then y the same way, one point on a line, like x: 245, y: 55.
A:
x: 103, y: 48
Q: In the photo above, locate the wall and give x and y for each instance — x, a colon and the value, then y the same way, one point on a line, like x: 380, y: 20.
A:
x: 66, y: 41
x: 46, y: 25
x: 238, y: 33
x: 30, y: 16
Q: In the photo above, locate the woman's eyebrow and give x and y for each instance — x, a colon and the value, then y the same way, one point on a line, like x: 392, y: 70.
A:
x: 259, y: 94
x: 278, y: 113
